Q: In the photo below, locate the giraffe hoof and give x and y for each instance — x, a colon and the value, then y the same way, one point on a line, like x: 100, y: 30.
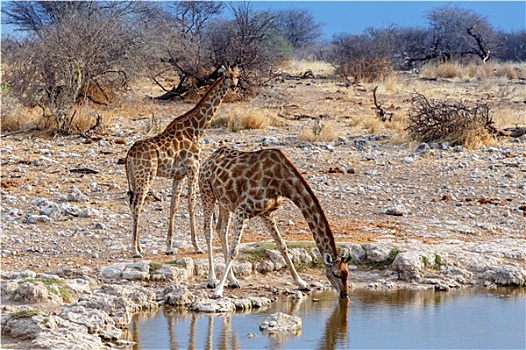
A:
x: 170, y: 252
x: 234, y: 285
x: 199, y: 251
x: 210, y: 286
x: 216, y: 296
x: 305, y: 287
x: 137, y: 255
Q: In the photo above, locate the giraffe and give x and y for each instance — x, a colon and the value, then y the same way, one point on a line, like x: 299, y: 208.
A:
x: 174, y: 153
x: 250, y: 184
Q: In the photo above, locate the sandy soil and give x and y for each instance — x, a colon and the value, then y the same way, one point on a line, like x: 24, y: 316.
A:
x: 469, y: 195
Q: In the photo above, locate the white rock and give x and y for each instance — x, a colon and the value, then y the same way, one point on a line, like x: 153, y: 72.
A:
x: 281, y: 322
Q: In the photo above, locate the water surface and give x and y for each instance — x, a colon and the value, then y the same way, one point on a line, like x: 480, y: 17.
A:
x: 473, y: 318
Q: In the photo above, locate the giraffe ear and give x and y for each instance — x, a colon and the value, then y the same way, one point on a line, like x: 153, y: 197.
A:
x: 327, y: 259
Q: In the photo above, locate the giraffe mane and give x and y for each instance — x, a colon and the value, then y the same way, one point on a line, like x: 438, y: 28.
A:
x: 198, y: 105
x: 313, y: 198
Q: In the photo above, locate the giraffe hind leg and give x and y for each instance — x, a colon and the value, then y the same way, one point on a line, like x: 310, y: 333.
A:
x: 174, y: 204
x: 139, y: 186
x: 136, y: 207
x: 223, y: 225
x: 192, y: 186
x: 208, y: 213
x: 238, y: 228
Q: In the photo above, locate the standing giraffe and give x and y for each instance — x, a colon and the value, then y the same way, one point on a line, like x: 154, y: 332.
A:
x: 174, y: 153
x: 249, y: 184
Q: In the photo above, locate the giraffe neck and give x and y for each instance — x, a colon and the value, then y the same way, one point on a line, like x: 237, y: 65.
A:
x: 302, y: 195
x: 196, y: 121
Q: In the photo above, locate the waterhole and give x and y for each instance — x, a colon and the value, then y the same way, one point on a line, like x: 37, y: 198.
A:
x: 472, y: 318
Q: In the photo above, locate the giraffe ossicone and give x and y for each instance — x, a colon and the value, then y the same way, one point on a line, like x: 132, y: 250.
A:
x: 249, y: 184
x: 174, y: 153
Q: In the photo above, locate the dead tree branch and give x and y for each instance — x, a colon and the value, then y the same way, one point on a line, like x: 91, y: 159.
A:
x: 382, y: 113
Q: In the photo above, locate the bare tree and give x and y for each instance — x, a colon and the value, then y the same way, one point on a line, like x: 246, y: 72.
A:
x: 176, y: 45
x: 251, y: 41
x: 298, y: 27
x: 366, y: 56
x: 70, y: 48
x: 515, y: 46
x: 459, y: 32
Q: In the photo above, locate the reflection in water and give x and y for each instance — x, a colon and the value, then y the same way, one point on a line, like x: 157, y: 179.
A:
x: 404, y: 318
x: 335, y: 327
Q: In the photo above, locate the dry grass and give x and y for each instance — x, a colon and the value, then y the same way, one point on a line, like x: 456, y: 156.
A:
x: 25, y: 118
x: 299, y: 67
x: 373, y: 125
x: 471, y: 84
x: 444, y: 70
x: 243, y: 116
x: 391, y: 83
x: 507, y: 117
x: 326, y: 133
x: 474, y: 70
x: 398, y: 123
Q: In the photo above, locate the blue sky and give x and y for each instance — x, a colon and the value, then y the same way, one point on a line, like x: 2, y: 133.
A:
x: 354, y: 16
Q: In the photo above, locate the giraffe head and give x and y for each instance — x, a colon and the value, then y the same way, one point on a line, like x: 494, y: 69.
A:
x: 231, y: 74
x: 336, y: 271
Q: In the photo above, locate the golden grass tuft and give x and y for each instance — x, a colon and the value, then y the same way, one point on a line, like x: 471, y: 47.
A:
x: 299, y: 67
x: 398, y: 122
x: 327, y: 134
x: 448, y: 71
x: 391, y: 82
x: 471, y: 138
x: 474, y: 70
x: 243, y: 117
x: 506, y: 70
x: 372, y: 124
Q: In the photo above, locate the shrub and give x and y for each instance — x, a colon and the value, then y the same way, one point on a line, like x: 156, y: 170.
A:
x: 453, y: 122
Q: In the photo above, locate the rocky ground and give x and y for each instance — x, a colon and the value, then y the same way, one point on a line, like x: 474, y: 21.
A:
x: 411, y: 215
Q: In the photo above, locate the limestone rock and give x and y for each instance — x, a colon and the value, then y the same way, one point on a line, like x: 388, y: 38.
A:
x: 507, y: 275
x: 265, y: 266
x: 29, y: 292
x: 281, y: 322
x: 137, y: 271
x: 276, y: 258
x: 96, y: 321
x: 408, y: 265
x: 300, y: 256
x: 241, y: 269
x: 377, y: 252
x: 113, y: 272
x: 213, y: 305
x: 177, y: 295
x: 166, y: 273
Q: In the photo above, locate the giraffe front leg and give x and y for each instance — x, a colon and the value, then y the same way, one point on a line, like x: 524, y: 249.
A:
x: 270, y: 222
x: 174, y: 204
x: 192, y: 186
x: 239, y: 226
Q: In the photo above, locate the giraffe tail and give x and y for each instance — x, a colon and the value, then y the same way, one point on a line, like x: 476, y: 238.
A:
x: 130, y: 196
x: 129, y: 169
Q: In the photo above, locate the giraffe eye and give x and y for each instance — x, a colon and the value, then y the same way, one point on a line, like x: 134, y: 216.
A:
x: 336, y: 275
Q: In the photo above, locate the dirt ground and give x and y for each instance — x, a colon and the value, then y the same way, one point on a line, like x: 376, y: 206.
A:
x: 447, y: 192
